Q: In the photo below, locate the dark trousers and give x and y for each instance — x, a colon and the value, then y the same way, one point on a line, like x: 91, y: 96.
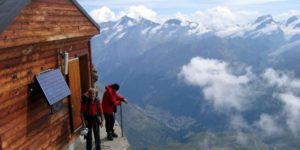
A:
x: 93, y: 125
x: 109, y: 122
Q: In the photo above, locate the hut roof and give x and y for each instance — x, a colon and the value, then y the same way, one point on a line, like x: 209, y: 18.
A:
x: 9, y: 9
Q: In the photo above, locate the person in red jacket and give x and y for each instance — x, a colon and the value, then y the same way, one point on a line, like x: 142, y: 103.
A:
x: 111, y: 99
x: 92, y: 116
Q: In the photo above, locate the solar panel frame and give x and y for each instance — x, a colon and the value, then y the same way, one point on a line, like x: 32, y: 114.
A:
x: 53, y: 86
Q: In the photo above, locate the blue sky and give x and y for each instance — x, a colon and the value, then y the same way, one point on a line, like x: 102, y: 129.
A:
x: 229, y: 11
x: 170, y: 7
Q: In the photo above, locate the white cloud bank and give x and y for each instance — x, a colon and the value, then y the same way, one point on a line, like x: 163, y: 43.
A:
x: 141, y: 11
x: 283, y: 80
x: 268, y: 125
x: 286, y: 15
x: 216, y: 18
x: 105, y: 14
x: 288, y: 93
x: 220, y: 18
x: 292, y: 111
x: 225, y: 90
x: 251, y: 2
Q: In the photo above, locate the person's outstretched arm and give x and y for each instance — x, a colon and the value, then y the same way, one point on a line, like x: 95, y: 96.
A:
x: 121, y: 98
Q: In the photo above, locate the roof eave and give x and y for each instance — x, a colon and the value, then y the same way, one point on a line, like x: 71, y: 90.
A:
x: 13, y: 12
x: 86, y: 14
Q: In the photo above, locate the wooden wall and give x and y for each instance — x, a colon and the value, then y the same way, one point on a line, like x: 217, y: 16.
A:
x: 25, y: 120
x: 47, y: 20
x: 31, y: 44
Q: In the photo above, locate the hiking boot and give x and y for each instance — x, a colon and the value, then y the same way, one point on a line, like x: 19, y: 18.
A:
x: 110, y: 137
x: 114, y: 135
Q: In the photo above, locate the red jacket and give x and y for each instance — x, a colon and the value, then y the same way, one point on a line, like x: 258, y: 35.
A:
x: 89, y: 107
x: 110, y: 100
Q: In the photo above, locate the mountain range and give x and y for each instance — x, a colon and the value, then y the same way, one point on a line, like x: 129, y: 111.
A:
x: 192, y: 79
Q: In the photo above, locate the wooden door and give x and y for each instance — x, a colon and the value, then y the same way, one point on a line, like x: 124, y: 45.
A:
x: 84, y: 73
x: 75, y: 86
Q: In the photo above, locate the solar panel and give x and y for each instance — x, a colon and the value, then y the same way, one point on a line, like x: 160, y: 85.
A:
x: 53, y: 86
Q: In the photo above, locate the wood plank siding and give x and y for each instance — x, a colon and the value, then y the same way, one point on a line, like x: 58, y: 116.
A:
x: 29, y: 45
x: 24, y: 117
x: 47, y: 20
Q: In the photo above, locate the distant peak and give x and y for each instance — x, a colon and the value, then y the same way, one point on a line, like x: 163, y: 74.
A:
x: 264, y: 18
x: 125, y: 20
x: 147, y: 21
x: 297, y: 26
x: 264, y: 21
x: 173, y: 22
x: 292, y: 19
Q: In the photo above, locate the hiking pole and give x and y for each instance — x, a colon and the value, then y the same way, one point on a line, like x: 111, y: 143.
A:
x: 121, y: 119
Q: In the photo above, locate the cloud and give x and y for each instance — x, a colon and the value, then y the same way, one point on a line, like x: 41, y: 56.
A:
x: 268, y: 125
x: 286, y: 15
x: 251, y: 2
x: 288, y: 93
x: 292, y: 111
x: 182, y: 16
x: 141, y: 11
x: 103, y: 14
x: 221, y: 87
x: 283, y: 80
x: 220, y: 18
x: 228, y: 91
x: 237, y: 122
x: 216, y: 18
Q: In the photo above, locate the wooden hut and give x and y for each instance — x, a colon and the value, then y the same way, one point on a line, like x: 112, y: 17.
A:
x: 36, y: 35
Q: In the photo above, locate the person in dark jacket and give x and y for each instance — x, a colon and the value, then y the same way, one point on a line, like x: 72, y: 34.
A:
x: 92, y: 116
x: 111, y: 99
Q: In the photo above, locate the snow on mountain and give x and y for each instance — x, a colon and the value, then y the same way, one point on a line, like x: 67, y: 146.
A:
x: 127, y: 21
x: 173, y: 22
x: 236, y: 31
x: 195, y: 28
x: 263, y: 26
x: 266, y: 24
x: 116, y: 30
x: 292, y: 20
x: 291, y: 27
x: 263, y: 21
x: 148, y: 55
